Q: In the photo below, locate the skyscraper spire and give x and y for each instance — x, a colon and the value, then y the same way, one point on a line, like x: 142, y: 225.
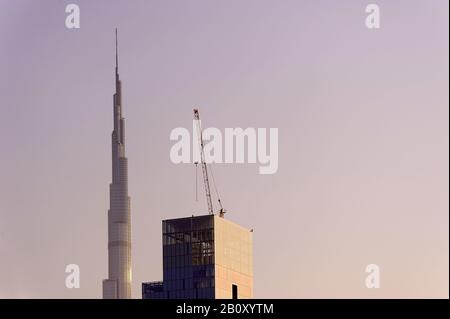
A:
x: 118, y: 284
x: 117, y: 54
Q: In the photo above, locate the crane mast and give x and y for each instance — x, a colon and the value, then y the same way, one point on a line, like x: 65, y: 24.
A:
x: 203, y: 163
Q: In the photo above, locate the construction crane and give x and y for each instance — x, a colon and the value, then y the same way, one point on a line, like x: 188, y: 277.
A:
x: 205, y: 169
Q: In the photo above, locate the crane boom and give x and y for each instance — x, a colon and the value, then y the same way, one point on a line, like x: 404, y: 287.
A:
x: 203, y: 163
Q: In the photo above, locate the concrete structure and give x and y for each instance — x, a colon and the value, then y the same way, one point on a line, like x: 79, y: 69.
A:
x: 118, y: 284
x: 204, y: 257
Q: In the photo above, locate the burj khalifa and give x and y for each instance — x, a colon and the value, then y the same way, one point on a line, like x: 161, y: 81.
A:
x: 118, y: 284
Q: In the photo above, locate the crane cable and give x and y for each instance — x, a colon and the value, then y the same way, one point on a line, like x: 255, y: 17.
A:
x: 215, y: 187
x: 196, y: 181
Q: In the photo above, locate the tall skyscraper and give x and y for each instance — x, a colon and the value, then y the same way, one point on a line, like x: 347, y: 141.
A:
x: 118, y: 284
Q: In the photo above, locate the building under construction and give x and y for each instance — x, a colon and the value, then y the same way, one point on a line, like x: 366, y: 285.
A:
x: 204, y: 257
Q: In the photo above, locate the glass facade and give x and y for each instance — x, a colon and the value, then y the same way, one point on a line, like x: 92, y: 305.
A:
x: 153, y: 290
x: 190, y: 259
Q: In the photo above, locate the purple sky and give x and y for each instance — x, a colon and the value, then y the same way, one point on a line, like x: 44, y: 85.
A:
x: 363, y: 139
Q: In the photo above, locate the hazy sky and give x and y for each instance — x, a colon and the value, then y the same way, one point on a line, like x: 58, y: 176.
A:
x: 363, y: 122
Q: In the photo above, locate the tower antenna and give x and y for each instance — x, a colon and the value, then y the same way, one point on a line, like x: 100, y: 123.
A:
x: 117, y: 52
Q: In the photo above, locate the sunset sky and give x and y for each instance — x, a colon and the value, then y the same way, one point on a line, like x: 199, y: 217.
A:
x: 362, y: 115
